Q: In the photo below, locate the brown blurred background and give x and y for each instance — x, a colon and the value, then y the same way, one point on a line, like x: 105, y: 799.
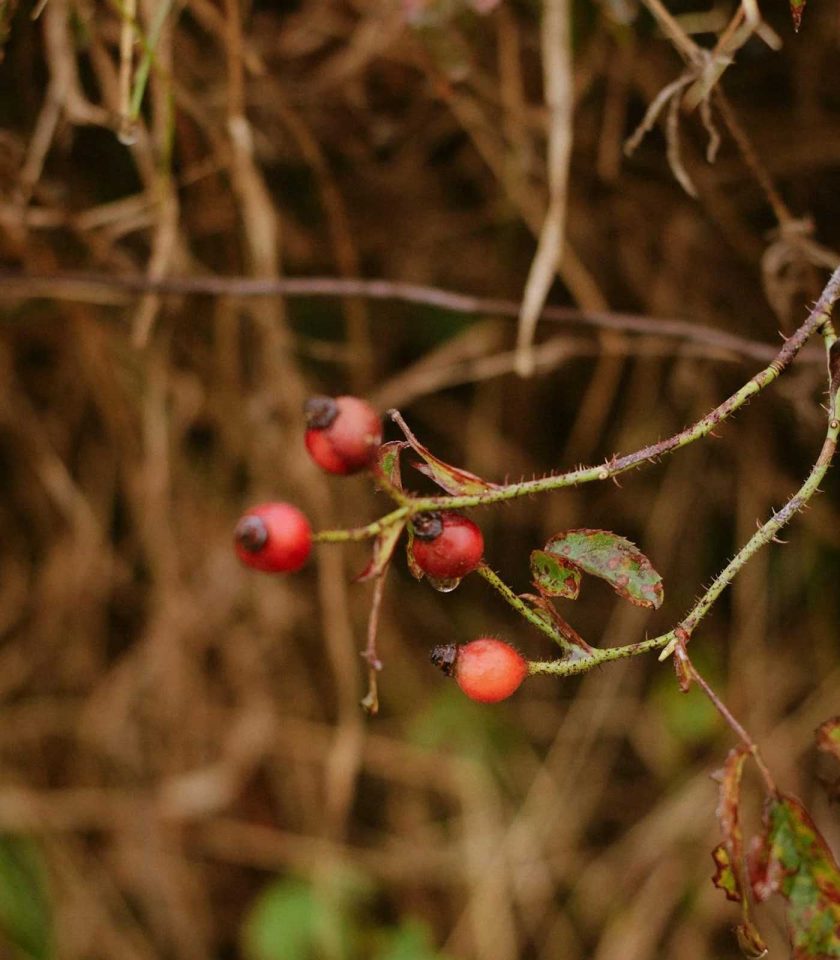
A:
x: 184, y: 768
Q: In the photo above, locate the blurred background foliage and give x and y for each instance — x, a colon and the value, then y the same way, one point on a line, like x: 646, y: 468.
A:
x: 184, y: 768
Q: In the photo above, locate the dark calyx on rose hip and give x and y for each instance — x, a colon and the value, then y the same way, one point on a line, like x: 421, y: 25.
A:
x: 444, y: 657
x: 343, y: 434
x: 446, y: 545
x: 251, y: 534
x: 274, y: 538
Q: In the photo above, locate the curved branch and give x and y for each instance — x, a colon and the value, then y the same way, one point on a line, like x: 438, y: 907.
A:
x: 96, y: 288
x: 679, y: 636
x: 819, y: 315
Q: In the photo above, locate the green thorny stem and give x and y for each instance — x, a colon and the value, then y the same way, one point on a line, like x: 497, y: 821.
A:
x: 767, y: 532
x: 819, y: 318
x: 681, y: 634
x: 529, y: 613
x: 410, y: 506
x: 368, y: 531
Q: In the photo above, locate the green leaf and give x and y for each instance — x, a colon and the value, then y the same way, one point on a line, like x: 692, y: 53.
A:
x: 797, y: 8
x: 410, y: 941
x: 612, y: 558
x: 554, y: 576
x: 383, y: 549
x: 451, y: 723
x: 282, y: 924
x: 689, y: 718
x: 453, y: 480
x: 25, y: 920
x: 293, y: 919
x: 793, y: 859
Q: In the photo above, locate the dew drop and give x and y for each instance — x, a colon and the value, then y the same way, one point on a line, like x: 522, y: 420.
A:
x: 444, y: 586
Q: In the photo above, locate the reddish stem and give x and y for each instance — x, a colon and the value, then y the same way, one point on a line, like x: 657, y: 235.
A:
x: 681, y: 654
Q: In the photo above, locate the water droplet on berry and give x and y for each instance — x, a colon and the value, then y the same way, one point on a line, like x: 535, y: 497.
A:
x: 444, y: 586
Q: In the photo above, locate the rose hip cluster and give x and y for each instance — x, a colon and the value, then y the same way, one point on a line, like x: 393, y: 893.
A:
x: 343, y: 436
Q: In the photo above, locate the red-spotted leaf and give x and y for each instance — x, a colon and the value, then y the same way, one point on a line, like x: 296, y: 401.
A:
x: 793, y: 859
x: 828, y: 736
x: 612, y: 558
x: 728, y: 855
x: 554, y: 576
x: 388, y: 462
x: 453, y: 480
x: 383, y: 548
x: 725, y: 876
x: 797, y: 8
x: 728, y: 808
x: 761, y: 884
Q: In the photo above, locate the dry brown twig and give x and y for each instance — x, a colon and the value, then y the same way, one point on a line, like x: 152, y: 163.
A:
x: 107, y: 289
x: 555, y: 43
x: 698, y: 82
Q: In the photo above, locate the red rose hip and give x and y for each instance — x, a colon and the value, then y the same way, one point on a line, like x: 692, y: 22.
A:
x: 446, y: 546
x: 342, y: 433
x: 487, y: 670
x: 274, y: 538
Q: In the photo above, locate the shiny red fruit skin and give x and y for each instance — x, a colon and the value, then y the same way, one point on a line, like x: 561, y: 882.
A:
x: 454, y: 553
x: 489, y: 670
x: 287, y: 538
x: 350, y: 442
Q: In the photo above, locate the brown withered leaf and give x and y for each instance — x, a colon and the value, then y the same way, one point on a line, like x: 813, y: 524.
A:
x: 728, y: 855
x: 383, y: 549
x: 453, y: 480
